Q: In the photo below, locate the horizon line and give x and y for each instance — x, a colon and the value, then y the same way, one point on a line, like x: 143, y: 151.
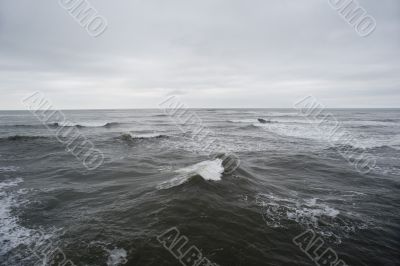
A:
x: 221, y: 108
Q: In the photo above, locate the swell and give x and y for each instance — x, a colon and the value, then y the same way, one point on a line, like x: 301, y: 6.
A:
x: 106, y: 125
x: 249, y: 127
x: 374, y: 148
x: 22, y: 138
x: 132, y: 137
x: 24, y: 126
x: 59, y: 124
x: 211, y: 170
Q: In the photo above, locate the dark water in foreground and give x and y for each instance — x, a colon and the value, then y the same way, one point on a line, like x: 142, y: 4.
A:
x: 291, y: 178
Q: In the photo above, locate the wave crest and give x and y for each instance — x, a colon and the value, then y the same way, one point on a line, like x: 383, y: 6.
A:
x: 209, y: 170
x: 83, y: 125
x: 21, y: 138
x: 130, y: 136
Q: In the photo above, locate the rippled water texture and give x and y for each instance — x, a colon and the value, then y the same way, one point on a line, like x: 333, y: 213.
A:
x: 155, y: 177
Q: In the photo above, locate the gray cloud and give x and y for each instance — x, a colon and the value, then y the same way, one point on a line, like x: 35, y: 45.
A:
x: 224, y: 53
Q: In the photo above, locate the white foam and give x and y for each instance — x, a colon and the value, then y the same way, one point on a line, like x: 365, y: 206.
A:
x: 146, y: 136
x: 243, y: 121
x: 5, y: 169
x: 308, y: 212
x: 208, y: 170
x: 395, y: 142
x: 327, y: 134
x: 117, y: 256
x: 305, y: 131
x: 11, y: 233
x: 312, y: 213
x: 83, y: 124
x: 10, y: 183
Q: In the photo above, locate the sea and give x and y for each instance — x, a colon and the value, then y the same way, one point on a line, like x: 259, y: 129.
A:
x: 293, y: 183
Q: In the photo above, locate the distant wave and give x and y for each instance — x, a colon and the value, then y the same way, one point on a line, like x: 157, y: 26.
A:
x: 249, y: 127
x: 283, y: 114
x: 322, y: 134
x: 112, y: 124
x: 373, y: 123
x: 388, y: 120
x: 130, y: 136
x: 271, y: 121
x: 368, y: 146
x: 83, y: 125
x: 254, y: 120
x: 21, y: 138
x: 67, y: 124
x: 208, y: 170
x: 4, y: 169
x: 251, y: 121
x: 30, y: 126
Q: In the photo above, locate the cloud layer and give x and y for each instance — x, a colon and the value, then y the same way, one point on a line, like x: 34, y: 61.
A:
x: 213, y: 53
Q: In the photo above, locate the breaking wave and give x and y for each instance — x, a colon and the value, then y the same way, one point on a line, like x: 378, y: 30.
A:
x: 209, y: 170
x: 130, y: 136
x: 83, y: 125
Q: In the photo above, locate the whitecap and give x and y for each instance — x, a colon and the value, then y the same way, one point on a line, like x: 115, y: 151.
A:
x: 82, y: 124
x: 131, y: 136
x: 208, y: 170
x: 147, y: 136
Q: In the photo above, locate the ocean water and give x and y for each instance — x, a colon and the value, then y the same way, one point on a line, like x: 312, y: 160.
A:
x: 291, y: 178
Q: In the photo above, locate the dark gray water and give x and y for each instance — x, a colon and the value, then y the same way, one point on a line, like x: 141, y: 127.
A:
x: 291, y: 178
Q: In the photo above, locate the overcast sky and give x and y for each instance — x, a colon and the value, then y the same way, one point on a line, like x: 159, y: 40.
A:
x: 212, y: 53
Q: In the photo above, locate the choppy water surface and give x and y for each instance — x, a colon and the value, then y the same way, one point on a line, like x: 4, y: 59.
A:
x: 154, y: 177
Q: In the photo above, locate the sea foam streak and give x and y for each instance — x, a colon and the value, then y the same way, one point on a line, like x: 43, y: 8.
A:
x: 5, y: 169
x: 11, y: 233
x: 323, y: 134
x: 311, y: 213
x: 208, y: 170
